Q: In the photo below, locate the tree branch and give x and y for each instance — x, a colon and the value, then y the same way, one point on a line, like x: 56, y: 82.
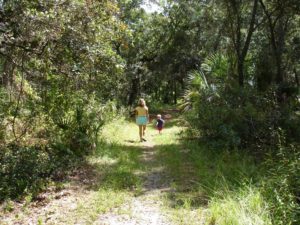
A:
x: 251, y: 30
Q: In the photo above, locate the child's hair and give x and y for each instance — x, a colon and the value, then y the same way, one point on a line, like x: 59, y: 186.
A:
x: 142, y: 102
x: 159, y: 116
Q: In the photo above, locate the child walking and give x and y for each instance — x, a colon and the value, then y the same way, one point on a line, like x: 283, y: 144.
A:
x: 160, y: 123
x: 142, y: 118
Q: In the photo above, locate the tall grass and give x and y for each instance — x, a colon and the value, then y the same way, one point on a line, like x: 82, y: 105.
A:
x: 211, y: 186
x: 206, y: 185
x: 116, y: 165
x: 244, y: 206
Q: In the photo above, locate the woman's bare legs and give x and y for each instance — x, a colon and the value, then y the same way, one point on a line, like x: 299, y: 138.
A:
x: 141, y: 132
x: 144, y: 129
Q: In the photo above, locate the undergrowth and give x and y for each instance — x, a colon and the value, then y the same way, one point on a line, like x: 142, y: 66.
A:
x: 227, y: 186
x: 206, y: 184
x: 218, y: 187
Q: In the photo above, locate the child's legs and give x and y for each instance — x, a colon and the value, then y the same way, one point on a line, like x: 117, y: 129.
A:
x: 159, y: 129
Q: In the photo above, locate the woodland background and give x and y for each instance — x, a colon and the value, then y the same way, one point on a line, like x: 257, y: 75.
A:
x: 231, y: 66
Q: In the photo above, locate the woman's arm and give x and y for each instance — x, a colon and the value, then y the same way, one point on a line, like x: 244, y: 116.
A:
x: 147, y: 113
x: 135, y: 112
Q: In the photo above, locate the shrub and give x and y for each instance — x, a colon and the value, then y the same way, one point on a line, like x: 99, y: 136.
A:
x: 247, y: 119
x: 3, y: 110
x: 238, y: 117
x: 22, y: 169
x: 78, y: 127
x: 281, y: 186
x: 65, y: 135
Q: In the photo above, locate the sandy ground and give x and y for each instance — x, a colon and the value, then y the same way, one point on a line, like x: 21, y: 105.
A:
x: 57, y: 206
x: 146, y: 208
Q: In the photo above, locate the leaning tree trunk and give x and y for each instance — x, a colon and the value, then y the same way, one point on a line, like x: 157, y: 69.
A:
x: 242, y: 47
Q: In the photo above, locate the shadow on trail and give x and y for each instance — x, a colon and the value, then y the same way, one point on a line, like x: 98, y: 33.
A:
x: 142, y: 169
x: 200, y: 173
x: 131, y: 168
x: 185, y: 173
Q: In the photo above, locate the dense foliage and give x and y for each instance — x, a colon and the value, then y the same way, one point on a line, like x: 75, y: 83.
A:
x: 66, y: 66
x: 59, y: 69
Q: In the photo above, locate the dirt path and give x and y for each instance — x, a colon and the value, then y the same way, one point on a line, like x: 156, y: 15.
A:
x: 61, y: 206
x: 144, y: 209
x: 54, y: 205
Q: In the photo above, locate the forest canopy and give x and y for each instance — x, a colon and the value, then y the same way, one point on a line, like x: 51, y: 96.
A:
x: 69, y: 66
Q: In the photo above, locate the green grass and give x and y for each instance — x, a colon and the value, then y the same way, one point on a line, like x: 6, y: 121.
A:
x: 206, y: 185
x: 116, y: 167
x: 116, y: 162
x: 245, y: 206
x: 99, y: 202
x: 210, y: 186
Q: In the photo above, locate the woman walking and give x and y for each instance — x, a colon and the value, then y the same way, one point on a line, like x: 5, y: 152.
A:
x: 142, y: 118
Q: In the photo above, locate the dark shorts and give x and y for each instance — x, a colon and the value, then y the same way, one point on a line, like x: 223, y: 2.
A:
x: 159, y: 128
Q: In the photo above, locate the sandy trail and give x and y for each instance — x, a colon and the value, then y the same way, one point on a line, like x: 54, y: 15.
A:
x: 61, y: 206
x: 144, y: 209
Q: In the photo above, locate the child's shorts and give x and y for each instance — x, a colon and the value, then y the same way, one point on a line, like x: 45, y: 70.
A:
x: 159, y: 128
x: 141, y: 120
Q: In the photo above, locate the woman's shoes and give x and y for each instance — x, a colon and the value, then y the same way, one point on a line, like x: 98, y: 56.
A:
x: 143, y: 139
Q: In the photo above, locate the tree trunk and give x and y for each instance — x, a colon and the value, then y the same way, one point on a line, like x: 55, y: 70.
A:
x: 175, y: 92
x: 279, y: 51
x: 241, y: 71
x: 296, y: 78
x: 276, y: 43
x: 133, y: 91
x: 7, y: 74
x: 240, y: 48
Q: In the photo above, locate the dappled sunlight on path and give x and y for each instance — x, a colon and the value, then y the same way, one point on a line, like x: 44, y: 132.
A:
x: 145, y: 207
x: 124, y: 182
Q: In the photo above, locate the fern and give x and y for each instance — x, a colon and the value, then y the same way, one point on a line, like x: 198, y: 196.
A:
x: 204, y: 81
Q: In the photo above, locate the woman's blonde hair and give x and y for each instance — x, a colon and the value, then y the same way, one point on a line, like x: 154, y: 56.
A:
x: 142, y: 102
